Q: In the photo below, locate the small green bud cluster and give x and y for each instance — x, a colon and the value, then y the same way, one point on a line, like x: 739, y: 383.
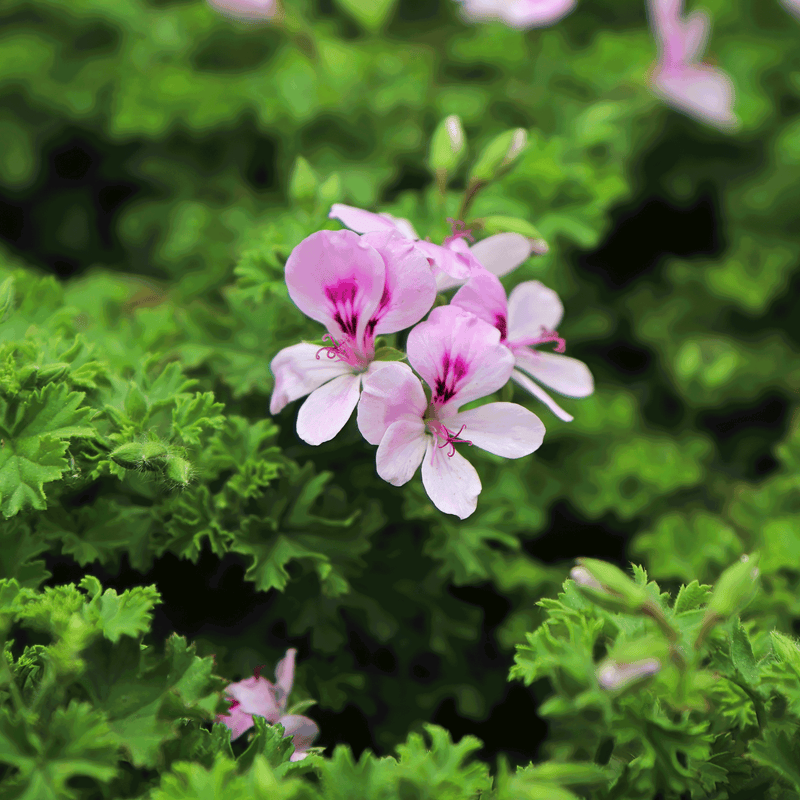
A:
x: 154, y: 456
x: 448, y: 149
x: 307, y: 190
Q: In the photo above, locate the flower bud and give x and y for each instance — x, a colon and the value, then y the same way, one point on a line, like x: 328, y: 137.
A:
x: 499, y: 155
x: 139, y: 455
x: 582, y: 576
x: 52, y: 372
x: 786, y: 650
x: 733, y: 588
x: 179, y: 470
x: 612, y: 675
x: 135, y: 404
x: 330, y: 190
x: 303, y: 182
x: 614, y: 583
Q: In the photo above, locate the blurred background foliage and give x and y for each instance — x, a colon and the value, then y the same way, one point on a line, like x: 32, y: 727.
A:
x: 147, y: 149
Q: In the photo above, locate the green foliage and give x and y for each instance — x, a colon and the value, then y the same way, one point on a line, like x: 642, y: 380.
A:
x: 652, y: 728
x: 134, y: 398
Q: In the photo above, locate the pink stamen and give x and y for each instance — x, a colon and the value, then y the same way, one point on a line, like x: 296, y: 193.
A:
x: 257, y: 670
x: 340, y: 351
x: 545, y: 336
x: 459, y: 231
x: 450, y: 438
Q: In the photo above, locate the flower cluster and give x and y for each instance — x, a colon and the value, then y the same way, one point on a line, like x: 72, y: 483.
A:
x: 259, y: 697
x: 386, y: 280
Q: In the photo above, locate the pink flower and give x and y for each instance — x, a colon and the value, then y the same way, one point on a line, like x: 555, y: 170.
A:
x: 460, y: 357
x: 358, y: 287
x: 793, y: 6
x: 519, y: 13
x: 453, y: 260
x: 246, y: 10
x: 257, y: 696
x: 529, y: 317
x: 703, y: 91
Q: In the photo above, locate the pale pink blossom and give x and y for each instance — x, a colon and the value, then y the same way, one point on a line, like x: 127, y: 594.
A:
x: 452, y: 261
x: 518, y: 13
x: 679, y: 77
x: 525, y: 320
x: 246, y: 10
x: 461, y: 359
x: 259, y: 697
x: 792, y: 6
x: 358, y: 287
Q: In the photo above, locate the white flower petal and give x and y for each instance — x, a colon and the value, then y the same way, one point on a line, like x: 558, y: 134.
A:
x: 531, y: 307
x: 389, y: 393
x: 502, y: 253
x: 451, y: 482
x: 401, y: 450
x: 540, y: 394
x: 566, y: 375
x: 327, y: 409
x: 298, y: 372
x: 505, y: 429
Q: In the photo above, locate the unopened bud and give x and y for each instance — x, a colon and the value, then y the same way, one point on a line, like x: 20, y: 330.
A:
x: 733, y: 587
x: 613, y: 676
x: 786, y: 650
x: 615, y: 582
x: 499, y: 155
x: 52, y: 372
x: 518, y: 143
x: 179, y: 470
x: 584, y: 578
x: 447, y: 145
x: 303, y: 182
x: 732, y: 590
x: 135, y: 404
x: 138, y: 455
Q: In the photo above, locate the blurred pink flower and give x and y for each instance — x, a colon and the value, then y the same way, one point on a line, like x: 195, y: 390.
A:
x: 460, y: 357
x: 518, y: 13
x: 246, y: 10
x: 697, y: 89
x: 453, y: 260
x: 259, y: 697
x: 529, y: 317
x: 793, y: 6
x: 358, y: 287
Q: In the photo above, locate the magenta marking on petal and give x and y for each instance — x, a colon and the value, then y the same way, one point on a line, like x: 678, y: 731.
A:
x: 386, y: 298
x: 233, y: 704
x: 459, y: 231
x: 343, y: 295
x: 501, y: 323
x: 446, y: 386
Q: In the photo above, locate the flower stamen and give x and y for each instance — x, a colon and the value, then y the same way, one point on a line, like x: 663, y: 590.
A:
x: 439, y: 431
x: 459, y: 231
x: 545, y: 336
x: 340, y: 351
